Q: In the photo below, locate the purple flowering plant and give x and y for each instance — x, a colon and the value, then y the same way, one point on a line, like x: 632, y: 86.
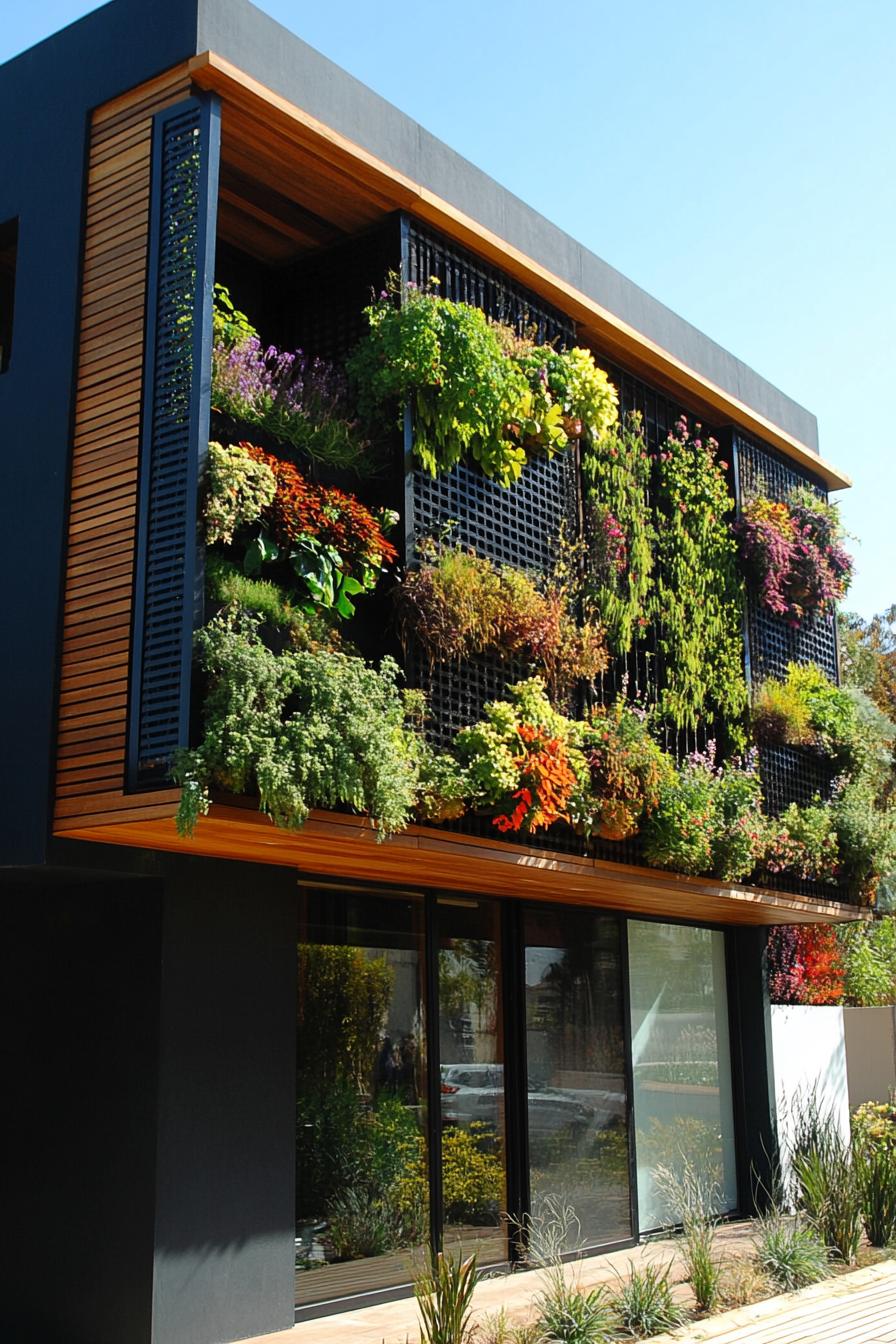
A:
x: 300, y: 401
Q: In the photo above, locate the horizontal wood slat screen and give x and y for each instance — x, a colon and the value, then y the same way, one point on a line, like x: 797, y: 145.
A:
x: 100, y: 563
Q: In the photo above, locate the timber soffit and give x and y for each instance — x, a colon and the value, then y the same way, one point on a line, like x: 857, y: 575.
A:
x: 239, y: 89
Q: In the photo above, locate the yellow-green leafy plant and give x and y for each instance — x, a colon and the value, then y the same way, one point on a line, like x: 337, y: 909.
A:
x: 627, y: 770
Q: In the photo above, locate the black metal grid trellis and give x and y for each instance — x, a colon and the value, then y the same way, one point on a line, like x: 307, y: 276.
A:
x: 517, y: 526
x: 788, y: 774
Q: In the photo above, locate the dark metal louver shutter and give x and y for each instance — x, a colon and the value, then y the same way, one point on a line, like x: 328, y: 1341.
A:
x: 177, y: 377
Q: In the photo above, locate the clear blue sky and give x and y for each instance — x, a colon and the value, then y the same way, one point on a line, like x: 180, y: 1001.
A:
x: 737, y: 160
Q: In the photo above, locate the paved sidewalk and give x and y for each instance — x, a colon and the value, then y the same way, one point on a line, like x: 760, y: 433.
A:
x: 398, y: 1322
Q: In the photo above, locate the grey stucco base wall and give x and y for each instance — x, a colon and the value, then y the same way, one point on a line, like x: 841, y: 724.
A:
x: 225, y: 1225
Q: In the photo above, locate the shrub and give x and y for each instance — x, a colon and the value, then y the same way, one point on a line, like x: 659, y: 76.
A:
x: 238, y: 490
x: 806, y: 964
x: 363, y: 1222
x: 801, y: 842
x: 444, y: 1292
x: 780, y: 714
x: 472, y: 1175
x: 458, y: 604
x: 644, y: 1302
x: 866, y: 837
x: 707, y: 820
x: 627, y: 769
x: 874, y: 1126
x: 790, y: 1252
x: 304, y: 729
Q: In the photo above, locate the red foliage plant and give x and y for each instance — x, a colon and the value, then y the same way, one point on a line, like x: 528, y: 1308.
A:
x: 546, y: 782
x: 805, y: 965
x: 301, y: 508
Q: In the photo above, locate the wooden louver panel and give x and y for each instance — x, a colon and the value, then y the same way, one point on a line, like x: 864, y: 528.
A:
x: 168, y: 586
x: 105, y: 449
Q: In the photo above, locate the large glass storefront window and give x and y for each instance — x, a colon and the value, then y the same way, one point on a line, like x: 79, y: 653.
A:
x: 575, y: 1047
x: 362, y: 1203
x: 681, y: 1061
x: 471, y: 1058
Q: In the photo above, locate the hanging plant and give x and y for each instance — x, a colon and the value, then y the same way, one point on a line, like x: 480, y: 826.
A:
x: 302, y: 402
x: 698, y: 596
x: 458, y: 604
x: 793, y: 551
x: 270, y: 515
x: 476, y: 389
x: 620, y: 535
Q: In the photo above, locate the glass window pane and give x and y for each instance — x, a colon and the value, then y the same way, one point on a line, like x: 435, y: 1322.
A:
x: 681, y: 1061
x: 471, y: 1052
x: 361, y: 1172
x: 578, y: 1132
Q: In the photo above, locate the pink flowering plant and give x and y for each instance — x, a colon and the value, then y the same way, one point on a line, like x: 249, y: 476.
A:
x: 794, y: 551
x: 709, y: 818
x: 801, y: 843
x: 299, y: 401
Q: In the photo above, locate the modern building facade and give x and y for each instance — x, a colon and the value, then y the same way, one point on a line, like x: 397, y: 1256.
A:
x: 526, y: 1018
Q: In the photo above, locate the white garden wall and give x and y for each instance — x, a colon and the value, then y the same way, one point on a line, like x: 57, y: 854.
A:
x: 809, y: 1053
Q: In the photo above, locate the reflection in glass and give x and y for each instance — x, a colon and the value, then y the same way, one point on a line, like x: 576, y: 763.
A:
x: 681, y: 1060
x: 361, y: 1172
x: 471, y: 1055
x: 578, y: 1132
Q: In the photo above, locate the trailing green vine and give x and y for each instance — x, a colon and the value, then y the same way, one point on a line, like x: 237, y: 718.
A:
x: 698, y: 597
x: 620, y: 534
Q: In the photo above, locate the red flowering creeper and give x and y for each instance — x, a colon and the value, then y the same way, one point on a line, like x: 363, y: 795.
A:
x: 546, y: 782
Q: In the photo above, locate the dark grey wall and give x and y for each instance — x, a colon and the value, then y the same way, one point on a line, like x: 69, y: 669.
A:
x: 80, y: 979
x: 45, y: 97
x: 257, y: 44
x: 751, y: 1062
x: 225, y: 1220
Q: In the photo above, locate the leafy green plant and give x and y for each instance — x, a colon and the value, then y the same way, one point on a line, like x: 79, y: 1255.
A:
x: 790, y: 1251
x: 644, y: 1301
x: 227, y: 586
x: 780, y: 714
x: 305, y: 729
x: 363, y: 1222
x: 472, y: 1174
x: 698, y: 597
x: 866, y: 836
x: 230, y: 327
x: 616, y: 471
x: 874, y: 1126
x: 444, y: 1292
x: 238, y: 490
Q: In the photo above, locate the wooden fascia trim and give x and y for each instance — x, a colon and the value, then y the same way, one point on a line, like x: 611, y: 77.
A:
x: 212, y: 71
